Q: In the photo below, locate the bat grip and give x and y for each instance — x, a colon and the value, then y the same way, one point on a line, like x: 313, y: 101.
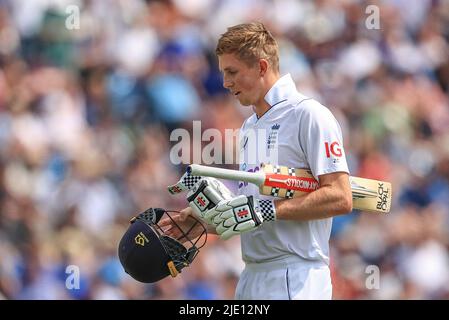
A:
x: 257, y: 178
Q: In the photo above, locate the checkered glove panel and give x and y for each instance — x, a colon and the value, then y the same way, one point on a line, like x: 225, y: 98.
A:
x: 268, y: 210
x: 187, y: 182
x: 190, y: 181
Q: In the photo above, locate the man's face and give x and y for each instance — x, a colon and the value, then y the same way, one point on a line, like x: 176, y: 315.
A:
x: 242, y: 81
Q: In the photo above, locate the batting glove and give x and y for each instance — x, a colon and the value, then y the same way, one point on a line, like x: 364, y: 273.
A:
x: 205, y: 195
x: 241, y: 214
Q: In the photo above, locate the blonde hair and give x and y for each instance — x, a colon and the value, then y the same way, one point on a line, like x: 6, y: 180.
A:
x: 250, y: 42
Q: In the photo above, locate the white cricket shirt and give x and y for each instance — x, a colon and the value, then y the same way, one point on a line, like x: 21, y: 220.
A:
x: 298, y: 132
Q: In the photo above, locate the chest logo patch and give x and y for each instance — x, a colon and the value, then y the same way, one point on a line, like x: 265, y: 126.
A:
x: 273, y: 136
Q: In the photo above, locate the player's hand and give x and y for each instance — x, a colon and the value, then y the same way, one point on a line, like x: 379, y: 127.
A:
x: 205, y: 195
x: 185, y: 222
x: 241, y: 214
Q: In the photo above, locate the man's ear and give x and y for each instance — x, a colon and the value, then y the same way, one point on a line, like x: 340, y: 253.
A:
x: 263, y: 67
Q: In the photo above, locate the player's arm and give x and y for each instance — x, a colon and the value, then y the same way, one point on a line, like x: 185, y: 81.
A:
x: 334, y: 197
x: 244, y: 213
x: 321, y: 139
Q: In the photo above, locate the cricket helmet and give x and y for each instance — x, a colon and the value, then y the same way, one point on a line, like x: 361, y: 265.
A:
x: 148, y: 255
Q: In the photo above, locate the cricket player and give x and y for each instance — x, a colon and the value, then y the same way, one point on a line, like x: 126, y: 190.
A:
x: 284, y: 243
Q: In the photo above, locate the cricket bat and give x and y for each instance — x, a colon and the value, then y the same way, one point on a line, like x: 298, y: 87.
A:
x: 284, y: 182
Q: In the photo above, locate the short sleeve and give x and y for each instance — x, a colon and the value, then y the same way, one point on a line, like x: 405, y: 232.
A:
x: 321, y: 139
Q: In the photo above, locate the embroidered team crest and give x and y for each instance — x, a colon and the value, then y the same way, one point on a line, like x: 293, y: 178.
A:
x: 273, y: 136
x: 140, y: 239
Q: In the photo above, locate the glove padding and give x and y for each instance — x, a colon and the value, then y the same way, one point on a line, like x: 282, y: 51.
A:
x: 205, y: 195
x: 240, y: 214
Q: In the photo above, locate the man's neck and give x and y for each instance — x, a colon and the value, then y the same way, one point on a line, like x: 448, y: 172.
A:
x: 262, y: 106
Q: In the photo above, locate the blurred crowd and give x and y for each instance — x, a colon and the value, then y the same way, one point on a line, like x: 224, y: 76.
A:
x: 86, y: 113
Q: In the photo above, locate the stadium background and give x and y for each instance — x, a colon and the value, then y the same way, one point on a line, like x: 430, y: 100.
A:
x: 86, y: 115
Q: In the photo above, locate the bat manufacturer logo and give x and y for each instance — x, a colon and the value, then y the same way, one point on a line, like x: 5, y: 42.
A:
x: 382, y: 197
x: 301, y: 184
x: 285, y: 182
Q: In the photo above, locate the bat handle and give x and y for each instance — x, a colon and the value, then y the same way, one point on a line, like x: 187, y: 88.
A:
x: 257, y: 178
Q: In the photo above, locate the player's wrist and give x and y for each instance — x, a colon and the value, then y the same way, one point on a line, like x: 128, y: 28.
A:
x: 267, y: 210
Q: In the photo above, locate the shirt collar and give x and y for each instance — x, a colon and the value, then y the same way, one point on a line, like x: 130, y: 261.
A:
x: 281, y: 90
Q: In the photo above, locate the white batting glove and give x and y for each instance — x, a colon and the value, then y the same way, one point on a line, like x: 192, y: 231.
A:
x: 241, y: 214
x: 205, y: 195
